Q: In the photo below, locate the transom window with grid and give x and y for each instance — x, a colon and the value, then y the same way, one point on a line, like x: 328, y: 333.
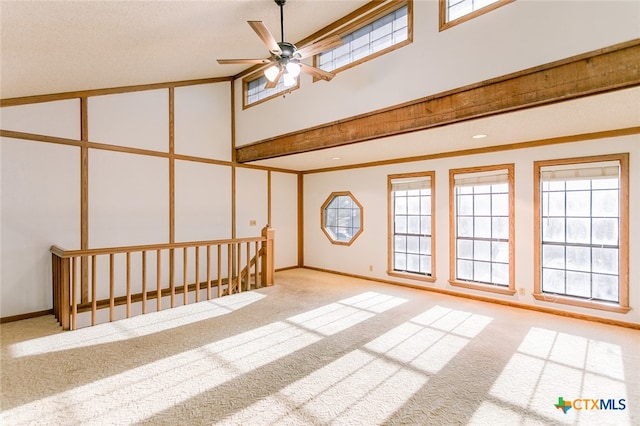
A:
x: 482, y: 235
x: 256, y: 91
x: 411, y: 224
x: 580, y: 230
x: 456, y: 11
x: 370, y: 38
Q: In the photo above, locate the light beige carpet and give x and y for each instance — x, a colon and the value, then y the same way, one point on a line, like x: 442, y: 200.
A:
x: 323, y: 349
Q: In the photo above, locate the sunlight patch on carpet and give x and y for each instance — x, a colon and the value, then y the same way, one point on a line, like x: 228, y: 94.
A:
x: 141, y: 392
x: 549, y: 365
x: 137, y: 326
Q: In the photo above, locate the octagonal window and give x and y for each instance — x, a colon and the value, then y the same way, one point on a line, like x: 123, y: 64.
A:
x: 341, y: 217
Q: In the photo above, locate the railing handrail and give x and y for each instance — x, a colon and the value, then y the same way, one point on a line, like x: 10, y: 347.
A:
x: 63, y: 253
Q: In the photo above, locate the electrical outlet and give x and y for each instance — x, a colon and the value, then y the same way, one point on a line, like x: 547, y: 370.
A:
x: 521, y: 291
x: 252, y: 223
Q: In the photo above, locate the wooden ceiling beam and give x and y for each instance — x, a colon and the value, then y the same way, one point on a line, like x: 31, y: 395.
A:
x: 613, y: 68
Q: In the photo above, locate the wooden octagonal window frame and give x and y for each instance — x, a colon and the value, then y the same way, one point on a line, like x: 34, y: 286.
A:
x: 333, y: 234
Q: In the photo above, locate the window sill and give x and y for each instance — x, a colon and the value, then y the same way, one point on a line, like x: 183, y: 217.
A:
x: 483, y: 287
x: 567, y: 300
x: 410, y: 276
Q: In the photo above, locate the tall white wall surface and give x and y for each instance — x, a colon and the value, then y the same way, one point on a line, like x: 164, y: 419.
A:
x: 369, y: 186
x: 129, y: 185
x: 517, y: 36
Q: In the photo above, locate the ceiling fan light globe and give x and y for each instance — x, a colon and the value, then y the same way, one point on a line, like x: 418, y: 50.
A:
x: 272, y: 72
x: 293, y: 69
x: 289, y: 80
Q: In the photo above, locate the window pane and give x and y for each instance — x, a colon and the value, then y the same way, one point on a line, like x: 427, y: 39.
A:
x: 425, y: 264
x: 482, y: 272
x: 605, y: 231
x: 400, y: 261
x: 425, y: 225
x: 605, y: 287
x: 482, y: 250
x: 413, y: 262
x: 552, y: 281
x: 401, y: 224
x: 482, y: 205
x: 500, y: 228
x: 605, y: 203
x: 425, y: 205
x: 500, y: 205
x: 578, y: 284
x: 413, y: 244
x: 579, y: 203
x: 465, y: 227
x: 465, y: 205
x: 553, y: 230
x: 553, y: 204
x: 500, y: 252
x: 500, y: 273
x: 401, y: 205
x: 413, y: 225
x: 578, y: 230
x: 553, y: 256
x: 605, y: 260
x: 400, y: 243
x: 425, y: 245
x: 578, y: 258
x: 465, y: 249
x: 465, y: 270
x: 482, y: 227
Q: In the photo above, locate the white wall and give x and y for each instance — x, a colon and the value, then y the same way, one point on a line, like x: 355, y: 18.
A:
x: 129, y: 188
x: 369, y: 186
x: 519, y: 35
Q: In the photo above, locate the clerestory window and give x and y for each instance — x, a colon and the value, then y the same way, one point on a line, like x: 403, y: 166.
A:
x: 372, y: 35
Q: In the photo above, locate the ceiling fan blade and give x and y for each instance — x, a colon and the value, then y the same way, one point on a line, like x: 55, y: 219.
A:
x: 320, y: 46
x: 316, y: 72
x: 243, y: 61
x: 274, y: 83
x: 266, y: 37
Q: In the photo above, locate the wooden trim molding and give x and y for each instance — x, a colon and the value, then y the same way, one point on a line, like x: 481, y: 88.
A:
x: 600, y: 71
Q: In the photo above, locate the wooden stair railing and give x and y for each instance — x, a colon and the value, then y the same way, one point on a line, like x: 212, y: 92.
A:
x: 76, y: 290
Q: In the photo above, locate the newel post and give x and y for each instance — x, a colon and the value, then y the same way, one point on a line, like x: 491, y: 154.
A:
x: 268, y: 249
x: 61, y: 282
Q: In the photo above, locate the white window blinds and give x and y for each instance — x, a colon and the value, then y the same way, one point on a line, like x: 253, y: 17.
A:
x: 600, y: 170
x: 406, y: 184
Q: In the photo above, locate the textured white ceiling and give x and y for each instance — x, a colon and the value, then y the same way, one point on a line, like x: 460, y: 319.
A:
x: 61, y: 46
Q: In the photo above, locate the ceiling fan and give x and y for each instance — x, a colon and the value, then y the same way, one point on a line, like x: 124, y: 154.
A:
x: 285, y: 57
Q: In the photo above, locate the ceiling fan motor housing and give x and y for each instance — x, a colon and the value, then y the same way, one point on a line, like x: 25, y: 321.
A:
x: 287, y: 49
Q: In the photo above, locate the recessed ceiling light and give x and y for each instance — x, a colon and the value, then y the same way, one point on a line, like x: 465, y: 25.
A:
x: 479, y: 136
x: 335, y: 158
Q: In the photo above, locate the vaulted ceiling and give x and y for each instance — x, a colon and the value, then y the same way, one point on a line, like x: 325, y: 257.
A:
x: 63, y: 46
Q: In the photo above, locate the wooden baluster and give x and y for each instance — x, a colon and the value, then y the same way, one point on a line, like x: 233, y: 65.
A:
x: 128, y: 284
x: 248, y: 266
x: 267, y: 256
x: 185, y: 285
x: 74, y: 284
x: 158, y: 283
x: 111, y: 288
x: 94, y: 296
x: 256, y: 266
x: 172, y: 283
x: 208, y: 272
x: 54, y: 278
x: 144, y: 281
x: 229, y: 269
x: 197, y: 274
x: 64, y: 294
x: 219, y: 247
x: 239, y: 267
